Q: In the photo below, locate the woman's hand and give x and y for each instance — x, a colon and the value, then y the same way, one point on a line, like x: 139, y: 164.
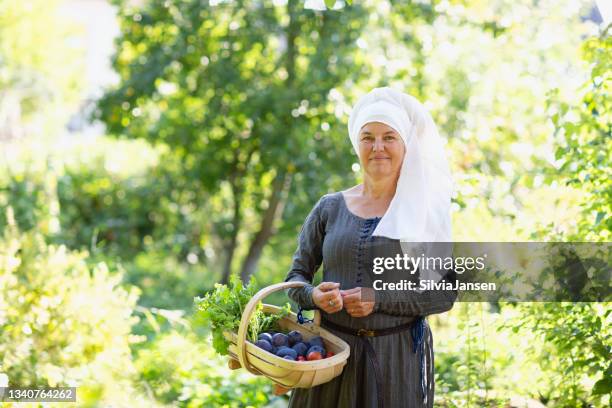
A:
x: 358, y: 302
x: 327, y: 297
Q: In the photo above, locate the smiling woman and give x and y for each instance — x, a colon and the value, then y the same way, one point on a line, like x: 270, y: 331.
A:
x: 380, y: 143
x: 381, y: 153
x: 402, y: 197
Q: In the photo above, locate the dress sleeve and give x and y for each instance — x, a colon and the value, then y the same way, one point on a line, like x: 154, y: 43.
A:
x: 307, y: 257
x: 411, y: 303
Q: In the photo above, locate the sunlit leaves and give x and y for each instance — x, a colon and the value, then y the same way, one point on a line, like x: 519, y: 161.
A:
x: 62, y: 322
x: 584, y: 143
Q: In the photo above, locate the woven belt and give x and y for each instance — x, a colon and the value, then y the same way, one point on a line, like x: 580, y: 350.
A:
x: 417, y: 330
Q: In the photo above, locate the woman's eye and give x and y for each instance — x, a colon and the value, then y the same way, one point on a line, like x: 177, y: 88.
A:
x: 389, y: 138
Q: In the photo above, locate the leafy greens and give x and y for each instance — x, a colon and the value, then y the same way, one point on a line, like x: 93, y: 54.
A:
x: 222, y: 309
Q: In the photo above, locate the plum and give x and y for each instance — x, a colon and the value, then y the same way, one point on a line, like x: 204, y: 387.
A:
x: 286, y: 351
x: 300, y: 349
x: 316, y: 341
x: 265, y: 336
x: 315, y: 355
x: 316, y: 349
x: 265, y: 345
x: 282, y: 350
x: 289, y: 357
x: 294, y: 337
x: 280, y: 339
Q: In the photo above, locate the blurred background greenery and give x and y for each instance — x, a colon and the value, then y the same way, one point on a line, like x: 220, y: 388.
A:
x: 225, y: 122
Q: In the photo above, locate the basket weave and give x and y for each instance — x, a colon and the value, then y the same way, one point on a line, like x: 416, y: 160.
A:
x: 287, y: 373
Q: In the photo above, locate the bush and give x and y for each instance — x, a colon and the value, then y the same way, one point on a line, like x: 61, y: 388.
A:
x: 63, y: 323
x: 182, y: 368
x: 475, y: 354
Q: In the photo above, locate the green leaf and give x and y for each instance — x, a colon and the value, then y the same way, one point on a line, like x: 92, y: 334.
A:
x: 330, y: 3
x: 601, y: 350
x: 603, y: 386
x: 222, y: 310
x: 600, y: 216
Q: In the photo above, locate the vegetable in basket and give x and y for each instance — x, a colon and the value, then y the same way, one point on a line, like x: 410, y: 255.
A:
x: 222, y: 309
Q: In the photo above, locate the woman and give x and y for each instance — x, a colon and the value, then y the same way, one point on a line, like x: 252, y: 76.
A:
x: 404, y: 197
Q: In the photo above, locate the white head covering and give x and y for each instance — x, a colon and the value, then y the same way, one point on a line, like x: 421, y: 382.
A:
x: 420, y: 209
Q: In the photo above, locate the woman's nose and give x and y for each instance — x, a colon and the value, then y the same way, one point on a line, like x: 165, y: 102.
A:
x: 378, y: 145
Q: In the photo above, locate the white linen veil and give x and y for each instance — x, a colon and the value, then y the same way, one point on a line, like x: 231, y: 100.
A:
x: 420, y: 209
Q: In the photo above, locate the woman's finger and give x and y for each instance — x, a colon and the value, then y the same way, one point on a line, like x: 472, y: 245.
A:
x: 333, y: 302
x: 332, y: 305
x: 354, y: 297
x: 337, y: 302
x: 331, y: 295
x: 362, y: 310
x: 334, y: 309
x: 280, y: 390
x: 348, y: 304
x: 350, y: 291
x: 326, y: 286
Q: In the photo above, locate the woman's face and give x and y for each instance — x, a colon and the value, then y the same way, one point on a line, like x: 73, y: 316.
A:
x: 381, y: 150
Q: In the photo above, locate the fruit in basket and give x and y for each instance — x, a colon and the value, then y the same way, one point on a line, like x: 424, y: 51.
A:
x: 301, y: 358
x: 294, y: 337
x: 289, y: 357
x: 265, y: 345
x: 316, y: 341
x: 265, y: 336
x: 300, y: 349
x: 316, y: 349
x: 286, y: 351
x: 329, y: 354
x: 280, y: 340
x: 314, y: 355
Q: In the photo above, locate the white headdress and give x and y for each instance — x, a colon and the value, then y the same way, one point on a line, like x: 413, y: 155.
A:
x: 420, y: 209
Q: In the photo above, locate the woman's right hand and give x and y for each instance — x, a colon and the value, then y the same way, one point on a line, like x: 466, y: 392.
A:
x: 327, y: 297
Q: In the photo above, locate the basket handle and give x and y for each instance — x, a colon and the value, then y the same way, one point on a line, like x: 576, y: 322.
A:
x: 248, y: 311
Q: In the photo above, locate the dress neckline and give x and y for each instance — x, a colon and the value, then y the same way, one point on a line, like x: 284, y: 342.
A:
x: 345, y: 205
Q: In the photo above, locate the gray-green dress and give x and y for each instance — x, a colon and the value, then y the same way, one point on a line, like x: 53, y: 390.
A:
x: 339, y: 240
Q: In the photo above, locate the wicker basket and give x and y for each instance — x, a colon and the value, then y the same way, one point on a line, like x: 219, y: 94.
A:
x: 287, y: 373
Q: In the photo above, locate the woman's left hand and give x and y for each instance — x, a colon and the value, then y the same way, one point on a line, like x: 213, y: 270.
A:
x: 355, y: 303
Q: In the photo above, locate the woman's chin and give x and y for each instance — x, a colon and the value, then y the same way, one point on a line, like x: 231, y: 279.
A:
x: 380, y: 171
